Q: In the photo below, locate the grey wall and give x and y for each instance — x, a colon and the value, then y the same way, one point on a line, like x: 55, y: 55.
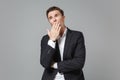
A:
x: 23, y: 23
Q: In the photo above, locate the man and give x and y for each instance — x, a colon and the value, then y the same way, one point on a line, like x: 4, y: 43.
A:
x: 62, y: 49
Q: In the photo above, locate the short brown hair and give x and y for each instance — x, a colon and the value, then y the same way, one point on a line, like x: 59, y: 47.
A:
x: 54, y: 8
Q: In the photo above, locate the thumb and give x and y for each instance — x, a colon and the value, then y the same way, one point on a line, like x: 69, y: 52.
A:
x: 48, y: 32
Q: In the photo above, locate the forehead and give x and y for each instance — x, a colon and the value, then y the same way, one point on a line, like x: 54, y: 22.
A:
x: 52, y: 13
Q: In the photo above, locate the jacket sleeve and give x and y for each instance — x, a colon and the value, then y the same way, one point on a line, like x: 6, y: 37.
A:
x: 78, y: 60
x: 47, y: 52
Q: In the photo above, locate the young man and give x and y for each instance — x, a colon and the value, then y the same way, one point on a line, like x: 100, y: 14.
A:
x: 62, y: 49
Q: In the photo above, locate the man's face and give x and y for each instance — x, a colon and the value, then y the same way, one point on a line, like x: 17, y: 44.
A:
x: 56, y: 17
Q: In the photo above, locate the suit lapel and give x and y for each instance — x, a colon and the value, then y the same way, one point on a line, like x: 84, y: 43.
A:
x: 67, y: 42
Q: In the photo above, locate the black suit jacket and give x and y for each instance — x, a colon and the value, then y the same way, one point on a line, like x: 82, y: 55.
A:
x: 73, y: 57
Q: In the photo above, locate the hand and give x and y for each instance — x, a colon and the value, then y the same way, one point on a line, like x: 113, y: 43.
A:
x: 54, y: 33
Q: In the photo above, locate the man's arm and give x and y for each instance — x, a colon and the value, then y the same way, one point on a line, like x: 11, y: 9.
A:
x: 47, y: 52
x: 48, y: 46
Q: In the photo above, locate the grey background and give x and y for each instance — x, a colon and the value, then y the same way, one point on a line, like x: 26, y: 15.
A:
x: 23, y: 23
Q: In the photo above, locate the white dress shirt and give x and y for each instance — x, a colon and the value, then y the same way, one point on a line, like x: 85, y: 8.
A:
x: 61, y: 43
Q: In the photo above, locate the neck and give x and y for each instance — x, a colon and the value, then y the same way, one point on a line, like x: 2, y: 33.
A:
x: 62, y: 30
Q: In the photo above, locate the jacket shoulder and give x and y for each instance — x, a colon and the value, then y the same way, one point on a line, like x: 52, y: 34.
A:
x: 76, y: 33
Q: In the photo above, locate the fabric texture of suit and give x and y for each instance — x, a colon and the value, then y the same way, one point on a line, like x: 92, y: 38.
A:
x: 73, y: 57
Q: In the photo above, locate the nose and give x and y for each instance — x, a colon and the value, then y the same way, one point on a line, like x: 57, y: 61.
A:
x: 54, y: 19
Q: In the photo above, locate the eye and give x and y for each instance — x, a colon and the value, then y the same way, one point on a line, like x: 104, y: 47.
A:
x: 56, y: 15
x: 50, y: 17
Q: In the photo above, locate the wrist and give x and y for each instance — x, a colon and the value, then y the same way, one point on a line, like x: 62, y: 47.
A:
x: 54, y: 40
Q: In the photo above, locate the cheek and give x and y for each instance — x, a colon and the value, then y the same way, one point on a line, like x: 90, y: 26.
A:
x: 62, y: 21
x: 50, y: 22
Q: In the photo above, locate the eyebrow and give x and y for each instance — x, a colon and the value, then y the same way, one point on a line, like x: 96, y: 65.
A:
x: 54, y: 15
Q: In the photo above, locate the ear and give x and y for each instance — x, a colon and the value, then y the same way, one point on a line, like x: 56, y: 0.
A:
x: 64, y: 17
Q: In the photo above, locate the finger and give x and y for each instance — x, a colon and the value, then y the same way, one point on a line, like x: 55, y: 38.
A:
x: 59, y: 29
x: 58, y: 25
x: 55, y: 26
